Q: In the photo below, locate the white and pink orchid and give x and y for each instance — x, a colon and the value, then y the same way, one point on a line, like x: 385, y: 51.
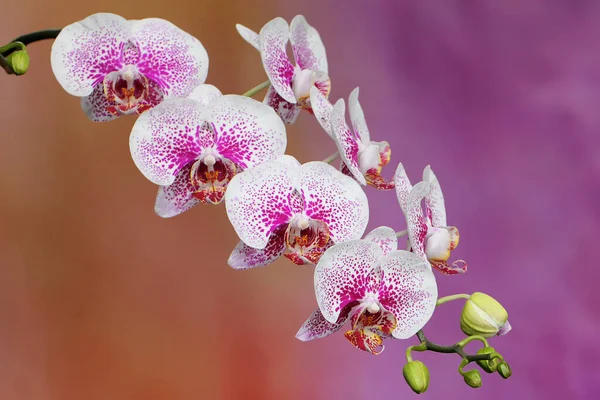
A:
x: 382, y: 291
x: 120, y: 66
x: 283, y: 208
x: 290, y: 84
x: 428, y: 234
x: 193, y: 147
x: 362, y: 158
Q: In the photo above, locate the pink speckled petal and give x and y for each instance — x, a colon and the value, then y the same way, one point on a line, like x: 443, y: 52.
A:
x: 322, y: 109
x: 342, y: 275
x: 357, y: 118
x: 86, y: 51
x: 204, y: 94
x: 316, y: 326
x: 258, y: 200
x: 408, y: 290
x: 173, y: 58
x: 168, y: 137
x: 434, y: 201
x: 273, y: 42
x: 385, y: 237
x: 403, y: 187
x: 336, y: 199
x: 307, y: 45
x: 244, y: 256
x: 96, y: 105
x: 415, y: 221
x: 178, y: 197
x: 248, y: 131
x: 346, y: 142
x: 248, y: 35
x: 287, y: 111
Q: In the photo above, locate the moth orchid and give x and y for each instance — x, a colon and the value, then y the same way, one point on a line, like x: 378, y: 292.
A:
x: 193, y: 147
x: 122, y: 67
x: 383, y: 292
x: 428, y: 234
x: 283, y: 208
x: 290, y: 84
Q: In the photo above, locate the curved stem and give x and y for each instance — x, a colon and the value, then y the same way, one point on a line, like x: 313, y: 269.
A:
x: 24, y: 40
x: 257, y: 88
x: 446, y: 299
x: 331, y: 158
x: 401, y: 233
x: 457, y: 348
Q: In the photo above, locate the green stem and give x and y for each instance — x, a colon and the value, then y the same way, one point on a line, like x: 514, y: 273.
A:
x: 26, y: 39
x: 331, y: 158
x: 446, y: 299
x: 456, y: 348
x: 257, y: 88
x: 401, y: 233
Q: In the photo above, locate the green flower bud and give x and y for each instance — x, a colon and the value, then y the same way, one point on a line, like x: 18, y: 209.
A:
x: 416, y: 375
x: 483, y: 315
x: 504, y: 370
x: 473, y: 378
x: 488, y: 366
x: 18, y: 61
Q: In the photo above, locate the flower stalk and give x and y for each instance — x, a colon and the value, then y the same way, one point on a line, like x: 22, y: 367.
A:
x: 257, y: 88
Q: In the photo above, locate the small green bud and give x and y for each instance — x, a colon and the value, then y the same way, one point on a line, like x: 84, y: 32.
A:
x: 473, y: 378
x: 483, y: 315
x: 18, y: 61
x: 488, y: 366
x: 504, y: 370
x: 416, y: 375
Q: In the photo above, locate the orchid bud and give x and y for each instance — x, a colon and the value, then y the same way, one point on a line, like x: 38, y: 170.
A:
x: 18, y: 61
x: 504, y: 370
x: 473, y: 378
x: 488, y: 366
x: 416, y: 375
x: 483, y: 315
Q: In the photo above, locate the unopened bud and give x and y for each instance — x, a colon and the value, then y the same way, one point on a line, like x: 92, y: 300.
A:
x: 473, y: 378
x: 504, y: 370
x: 416, y: 375
x: 483, y: 315
x: 18, y: 61
x: 488, y: 366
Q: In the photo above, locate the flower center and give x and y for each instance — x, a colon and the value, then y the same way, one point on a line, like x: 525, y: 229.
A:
x: 306, y: 239
x: 209, y: 177
x: 368, y: 327
x: 126, y: 87
x: 303, y: 80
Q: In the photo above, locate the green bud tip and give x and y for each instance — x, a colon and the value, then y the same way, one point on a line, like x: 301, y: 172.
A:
x: 18, y: 61
x: 473, y: 378
x: 504, y: 370
x: 416, y: 375
x: 483, y: 315
x: 488, y: 366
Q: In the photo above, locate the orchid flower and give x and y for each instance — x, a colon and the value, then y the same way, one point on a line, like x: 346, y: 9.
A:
x: 290, y: 84
x: 122, y: 67
x: 283, y: 208
x: 193, y: 147
x: 361, y: 158
x: 428, y: 234
x: 382, y: 291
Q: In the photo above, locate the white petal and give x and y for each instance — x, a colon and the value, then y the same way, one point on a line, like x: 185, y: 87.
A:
x: 346, y: 141
x: 385, y: 237
x: 248, y: 35
x: 403, y: 187
x: 436, y: 210
x: 322, y: 109
x: 176, y: 198
x: 357, y: 117
x: 273, y: 42
x: 204, y: 94
x: 307, y: 45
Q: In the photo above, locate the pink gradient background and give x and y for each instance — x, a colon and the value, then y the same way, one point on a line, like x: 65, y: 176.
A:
x: 101, y: 299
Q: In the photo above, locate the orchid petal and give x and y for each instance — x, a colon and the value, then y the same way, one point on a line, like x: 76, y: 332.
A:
x: 403, y: 187
x: 86, y: 51
x: 357, y: 118
x: 287, y: 111
x: 343, y: 275
x: 289, y: 160
x: 346, y: 142
x: 434, y: 201
x: 96, y: 105
x: 173, y: 58
x: 248, y: 35
x: 415, y: 221
x: 248, y: 132
x: 408, y: 290
x: 316, y: 326
x: 322, y: 109
x: 258, y: 201
x: 178, y: 197
x: 336, y: 199
x: 385, y: 237
x: 457, y: 267
x: 204, y: 94
x: 273, y: 41
x: 307, y: 45
x: 244, y: 256
x: 168, y: 137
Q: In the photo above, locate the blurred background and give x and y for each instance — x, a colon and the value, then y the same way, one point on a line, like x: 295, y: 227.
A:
x: 101, y: 299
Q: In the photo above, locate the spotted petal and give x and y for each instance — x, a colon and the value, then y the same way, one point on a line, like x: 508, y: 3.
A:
x: 336, y: 199
x: 96, y: 106
x: 168, y: 137
x: 248, y: 35
x: 322, y: 109
x: 244, y: 256
x: 178, y: 197
x: 415, y: 221
x: 258, y: 200
x: 385, y: 237
x: 86, y: 51
x: 342, y: 275
x: 273, y: 41
x: 408, y: 290
x: 307, y: 45
x: 357, y: 118
x: 316, y: 326
x: 204, y: 94
x: 403, y: 187
x: 347, y: 143
x: 287, y: 111
x: 434, y: 201
x: 173, y: 58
